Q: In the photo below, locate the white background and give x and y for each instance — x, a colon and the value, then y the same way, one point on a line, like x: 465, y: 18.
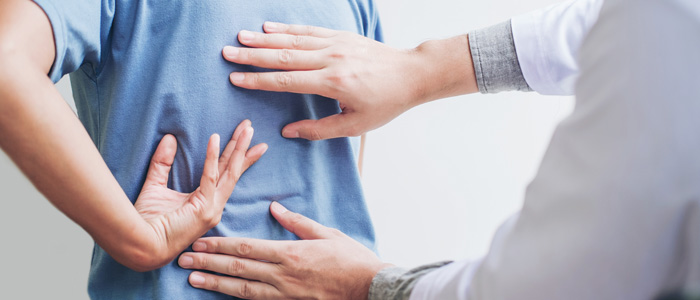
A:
x: 438, y: 180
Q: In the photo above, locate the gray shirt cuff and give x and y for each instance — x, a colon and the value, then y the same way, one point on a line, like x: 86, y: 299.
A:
x: 495, y: 60
x: 396, y: 283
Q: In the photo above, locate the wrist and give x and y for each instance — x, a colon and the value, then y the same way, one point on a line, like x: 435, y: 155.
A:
x: 444, y: 68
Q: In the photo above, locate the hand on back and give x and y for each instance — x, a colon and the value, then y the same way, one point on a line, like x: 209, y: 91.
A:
x: 174, y: 216
x: 372, y: 82
x: 326, y: 264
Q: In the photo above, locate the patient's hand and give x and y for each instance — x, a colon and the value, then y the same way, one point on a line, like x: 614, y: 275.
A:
x: 178, y: 218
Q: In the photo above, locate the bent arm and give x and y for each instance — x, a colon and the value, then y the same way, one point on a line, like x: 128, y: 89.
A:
x: 42, y: 135
x: 613, y: 211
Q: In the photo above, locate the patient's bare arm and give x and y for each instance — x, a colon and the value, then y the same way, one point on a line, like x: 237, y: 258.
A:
x: 48, y: 143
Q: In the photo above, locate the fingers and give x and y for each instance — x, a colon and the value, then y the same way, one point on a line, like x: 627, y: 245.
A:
x: 229, y: 265
x: 334, y: 126
x: 236, y: 287
x: 210, y: 175
x: 162, y: 161
x: 253, y: 155
x: 281, y: 41
x: 303, y: 227
x: 272, y: 27
x: 240, y: 158
x: 305, y: 82
x: 234, y: 169
x: 283, y: 59
x: 239, y: 152
x: 242, y: 247
x: 226, y: 155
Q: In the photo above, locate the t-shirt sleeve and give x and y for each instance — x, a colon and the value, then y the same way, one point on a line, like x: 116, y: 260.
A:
x: 80, y: 29
x: 370, y: 20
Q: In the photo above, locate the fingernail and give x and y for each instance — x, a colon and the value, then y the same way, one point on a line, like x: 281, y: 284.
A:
x: 199, y: 246
x: 231, y: 52
x: 237, y: 77
x: 278, y: 208
x: 270, y: 25
x: 196, y: 279
x: 245, y: 36
x: 249, y: 130
x: 290, y: 134
x: 186, y: 261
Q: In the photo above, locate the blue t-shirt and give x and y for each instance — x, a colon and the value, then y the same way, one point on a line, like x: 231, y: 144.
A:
x: 141, y: 69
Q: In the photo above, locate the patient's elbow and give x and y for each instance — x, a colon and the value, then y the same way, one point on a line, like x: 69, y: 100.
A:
x: 143, y: 260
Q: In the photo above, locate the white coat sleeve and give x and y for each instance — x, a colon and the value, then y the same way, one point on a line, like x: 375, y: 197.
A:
x: 547, y: 43
x: 614, y: 210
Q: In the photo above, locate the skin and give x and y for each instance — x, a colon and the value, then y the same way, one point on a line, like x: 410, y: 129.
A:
x: 43, y: 136
x: 327, y: 264
x: 373, y: 84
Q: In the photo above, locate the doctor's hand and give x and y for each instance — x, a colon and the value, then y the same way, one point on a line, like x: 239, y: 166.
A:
x: 177, y: 219
x: 327, y: 264
x: 372, y: 82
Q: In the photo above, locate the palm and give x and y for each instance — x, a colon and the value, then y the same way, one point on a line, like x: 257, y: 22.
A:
x: 178, y: 218
x: 155, y: 201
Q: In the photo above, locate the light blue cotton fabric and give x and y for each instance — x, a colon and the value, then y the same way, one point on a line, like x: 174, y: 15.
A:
x: 141, y: 69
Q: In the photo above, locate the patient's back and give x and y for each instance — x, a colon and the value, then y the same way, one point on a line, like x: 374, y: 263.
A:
x: 142, y: 69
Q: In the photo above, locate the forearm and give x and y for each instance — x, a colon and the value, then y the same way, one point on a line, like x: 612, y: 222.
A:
x: 442, y: 68
x: 49, y: 144
x: 484, y: 61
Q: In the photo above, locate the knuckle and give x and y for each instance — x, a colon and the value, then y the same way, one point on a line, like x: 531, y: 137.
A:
x: 247, y: 291
x: 211, y: 179
x: 212, y: 245
x: 284, y: 56
x: 212, y: 283
x: 296, y: 219
x: 254, y: 80
x: 315, y: 134
x: 298, y: 42
x: 235, y: 267
x: 309, y: 30
x: 341, y: 79
x: 247, y: 55
x: 244, y: 249
x: 284, y: 79
x: 266, y: 39
x: 202, y: 261
x: 338, y: 54
x: 293, y: 254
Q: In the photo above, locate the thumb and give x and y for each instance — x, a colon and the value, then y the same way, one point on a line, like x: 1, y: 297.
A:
x: 303, y: 227
x: 162, y: 161
x: 338, y: 125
